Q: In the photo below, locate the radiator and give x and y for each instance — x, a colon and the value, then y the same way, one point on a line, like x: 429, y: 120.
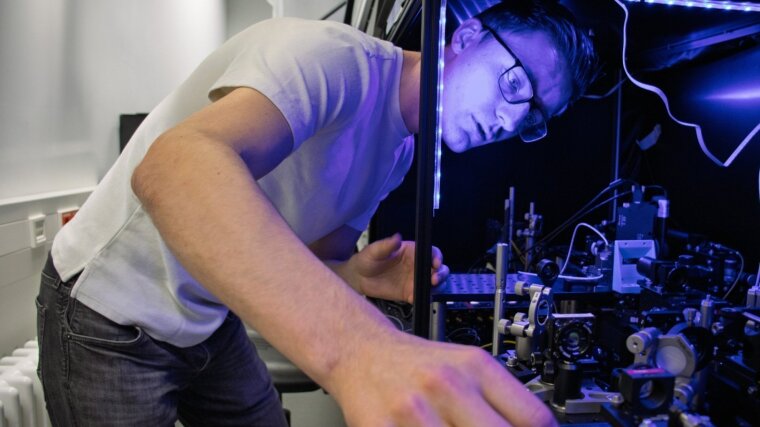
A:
x: 22, y: 403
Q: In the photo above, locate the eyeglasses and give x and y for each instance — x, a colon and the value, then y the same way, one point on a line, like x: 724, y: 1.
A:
x: 516, y: 88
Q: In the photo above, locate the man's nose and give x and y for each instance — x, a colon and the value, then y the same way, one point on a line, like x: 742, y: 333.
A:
x: 512, y: 115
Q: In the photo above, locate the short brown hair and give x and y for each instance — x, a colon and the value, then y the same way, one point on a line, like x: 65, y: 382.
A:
x: 572, y: 41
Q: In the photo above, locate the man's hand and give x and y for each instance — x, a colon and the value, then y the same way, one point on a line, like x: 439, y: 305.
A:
x: 397, y: 379
x: 385, y: 269
x: 380, y: 376
x: 414, y: 382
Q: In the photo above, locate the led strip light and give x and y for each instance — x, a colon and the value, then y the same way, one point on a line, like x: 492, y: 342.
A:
x: 724, y: 5
x: 439, y: 108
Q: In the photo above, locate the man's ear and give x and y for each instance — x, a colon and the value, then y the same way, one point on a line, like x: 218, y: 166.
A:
x: 469, y: 32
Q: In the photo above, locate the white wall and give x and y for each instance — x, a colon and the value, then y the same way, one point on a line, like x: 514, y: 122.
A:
x: 242, y: 13
x: 314, y: 9
x: 68, y: 68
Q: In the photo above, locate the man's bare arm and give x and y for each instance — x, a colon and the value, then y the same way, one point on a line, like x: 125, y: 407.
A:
x: 196, y: 185
x: 197, y: 182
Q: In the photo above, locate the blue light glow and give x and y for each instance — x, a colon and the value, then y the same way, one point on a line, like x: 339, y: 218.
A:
x: 439, y: 109
x: 752, y: 94
x: 465, y: 9
x: 656, y: 90
x: 711, y: 4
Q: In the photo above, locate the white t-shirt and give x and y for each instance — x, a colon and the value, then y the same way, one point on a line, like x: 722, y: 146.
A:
x: 337, y: 87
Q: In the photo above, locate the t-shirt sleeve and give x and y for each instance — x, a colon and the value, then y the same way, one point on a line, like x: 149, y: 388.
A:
x: 362, y: 221
x: 310, y: 74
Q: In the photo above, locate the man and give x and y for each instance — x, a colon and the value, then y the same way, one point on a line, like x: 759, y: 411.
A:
x: 245, y: 191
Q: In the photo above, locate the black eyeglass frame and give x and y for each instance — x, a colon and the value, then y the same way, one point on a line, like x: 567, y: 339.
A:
x: 533, y: 126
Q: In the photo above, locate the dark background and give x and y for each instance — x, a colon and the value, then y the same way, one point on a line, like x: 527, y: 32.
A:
x: 708, y: 64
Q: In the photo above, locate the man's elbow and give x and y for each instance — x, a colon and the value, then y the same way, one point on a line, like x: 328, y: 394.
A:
x: 147, y: 174
x: 139, y: 182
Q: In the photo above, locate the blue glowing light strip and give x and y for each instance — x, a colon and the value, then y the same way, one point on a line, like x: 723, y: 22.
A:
x: 439, y: 108
x: 718, y: 5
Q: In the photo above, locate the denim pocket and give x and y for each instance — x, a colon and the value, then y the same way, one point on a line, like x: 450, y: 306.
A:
x: 88, y: 326
x: 49, y: 281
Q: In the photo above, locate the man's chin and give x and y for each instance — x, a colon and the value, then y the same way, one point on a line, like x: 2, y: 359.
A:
x: 458, y: 145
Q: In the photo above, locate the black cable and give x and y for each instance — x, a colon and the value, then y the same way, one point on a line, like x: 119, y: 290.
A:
x: 658, y: 187
x: 579, y: 215
x: 585, y: 210
x: 617, y: 196
x: 609, y: 92
x: 333, y: 10
x: 741, y: 269
x: 582, y: 211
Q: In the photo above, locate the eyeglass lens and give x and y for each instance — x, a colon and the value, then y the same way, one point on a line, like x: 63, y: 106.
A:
x: 517, y: 88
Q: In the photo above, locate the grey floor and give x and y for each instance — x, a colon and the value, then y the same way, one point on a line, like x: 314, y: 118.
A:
x: 313, y: 409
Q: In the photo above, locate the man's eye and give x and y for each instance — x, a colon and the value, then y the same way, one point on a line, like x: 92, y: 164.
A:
x: 514, y: 81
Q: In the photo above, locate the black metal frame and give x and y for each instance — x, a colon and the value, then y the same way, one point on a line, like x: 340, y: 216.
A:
x: 425, y: 166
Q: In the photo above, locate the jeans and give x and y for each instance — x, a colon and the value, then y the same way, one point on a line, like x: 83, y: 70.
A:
x: 95, y: 372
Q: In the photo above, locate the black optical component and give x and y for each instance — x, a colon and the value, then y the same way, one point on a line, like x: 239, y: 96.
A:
x: 572, y: 335
x: 548, y: 271
x: 671, y: 275
x: 648, y: 391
